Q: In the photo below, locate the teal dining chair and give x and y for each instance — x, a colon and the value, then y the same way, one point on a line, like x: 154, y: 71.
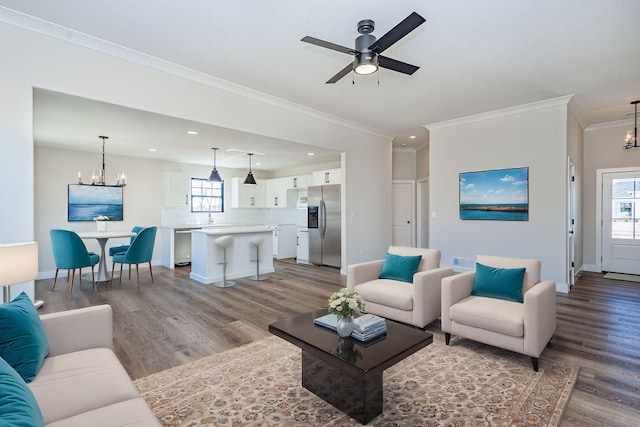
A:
x: 140, y: 251
x: 69, y: 253
x: 123, y: 248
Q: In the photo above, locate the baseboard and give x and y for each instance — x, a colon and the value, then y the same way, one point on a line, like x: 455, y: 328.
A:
x: 592, y: 268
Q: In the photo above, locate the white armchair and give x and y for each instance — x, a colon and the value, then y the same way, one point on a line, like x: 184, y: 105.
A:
x: 524, y: 328
x: 416, y: 303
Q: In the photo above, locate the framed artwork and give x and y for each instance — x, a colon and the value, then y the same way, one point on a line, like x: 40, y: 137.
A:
x: 499, y: 195
x: 88, y: 201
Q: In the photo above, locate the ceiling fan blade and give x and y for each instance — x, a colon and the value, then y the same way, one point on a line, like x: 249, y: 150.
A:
x: 346, y: 70
x: 328, y: 45
x: 395, y: 65
x: 409, y: 24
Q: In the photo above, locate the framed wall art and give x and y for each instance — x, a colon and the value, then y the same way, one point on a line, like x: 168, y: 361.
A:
x: 89, y: 201
x: 499, y: 195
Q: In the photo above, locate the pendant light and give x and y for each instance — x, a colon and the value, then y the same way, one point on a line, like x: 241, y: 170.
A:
x: 631, y: 141
x: 215, y: 176
x: 99, y: 177
x: 250, y: 180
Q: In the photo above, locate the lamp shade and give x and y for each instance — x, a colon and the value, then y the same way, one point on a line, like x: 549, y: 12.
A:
x: 215, y: 176
x: 18, y: 263
x: 250, y: 180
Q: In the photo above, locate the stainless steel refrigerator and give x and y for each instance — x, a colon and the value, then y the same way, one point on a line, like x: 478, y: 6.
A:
x: 323, y: 222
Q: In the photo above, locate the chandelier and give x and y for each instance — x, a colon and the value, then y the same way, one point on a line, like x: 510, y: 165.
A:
x: 631, y: 140
x: 99, y: 178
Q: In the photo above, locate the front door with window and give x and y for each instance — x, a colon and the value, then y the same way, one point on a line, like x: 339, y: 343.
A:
x: 621, y: 222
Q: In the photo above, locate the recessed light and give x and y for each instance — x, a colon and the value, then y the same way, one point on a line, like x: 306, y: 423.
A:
x: 192, y: 132
x: 412, y: 137
x: 311, y: 154
x: 153, y: 150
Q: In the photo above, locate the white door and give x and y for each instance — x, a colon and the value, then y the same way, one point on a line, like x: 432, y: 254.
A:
x: 423, y: 214
x: 403, y: 202
x: 621, y: 222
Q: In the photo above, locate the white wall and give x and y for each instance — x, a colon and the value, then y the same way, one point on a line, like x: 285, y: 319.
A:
x: 603, y: 149
x: 404, y: 164
x: 36, y: 60
x: 575, y: 147
x: 533, y: 135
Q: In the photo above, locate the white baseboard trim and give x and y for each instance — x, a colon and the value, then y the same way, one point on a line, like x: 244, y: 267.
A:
x: 591, y: 267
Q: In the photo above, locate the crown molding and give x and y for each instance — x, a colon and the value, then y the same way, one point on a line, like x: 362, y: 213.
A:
x: 609, y: 125
x: 577, y: 112
x: 38, y: 25
x: 561, y: 100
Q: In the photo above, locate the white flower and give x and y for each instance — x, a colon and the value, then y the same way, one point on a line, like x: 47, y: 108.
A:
x: 101, y: 218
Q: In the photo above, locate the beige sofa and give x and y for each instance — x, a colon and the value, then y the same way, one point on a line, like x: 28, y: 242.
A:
x: 525, y: 327
x: 416, y: 303
x: 81, y: 383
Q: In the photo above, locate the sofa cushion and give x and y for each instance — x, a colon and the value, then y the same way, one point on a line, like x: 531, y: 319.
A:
x: 387, y: 292
x: 23, y: 342
x: 74, y: 383
x: 130, y: 413
x: 18, y: 406
x: 497, y: 315
x: 503, y: 283
x: 402, y: 268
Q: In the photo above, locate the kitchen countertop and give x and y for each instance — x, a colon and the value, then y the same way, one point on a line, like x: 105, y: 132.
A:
x: 196, y: 226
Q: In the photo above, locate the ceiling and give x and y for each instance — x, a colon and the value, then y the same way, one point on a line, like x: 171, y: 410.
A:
x: 475, y: 56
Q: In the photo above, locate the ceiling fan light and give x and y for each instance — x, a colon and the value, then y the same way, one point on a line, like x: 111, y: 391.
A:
x: 366, y: 63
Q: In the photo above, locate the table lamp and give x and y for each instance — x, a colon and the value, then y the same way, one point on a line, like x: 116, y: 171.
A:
x: 18, y: 264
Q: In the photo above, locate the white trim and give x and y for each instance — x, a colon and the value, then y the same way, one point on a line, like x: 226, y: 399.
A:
x: 419, y: 208
x: 577, y: 111
x: 591, y: 267
x: 57, y: 31
x: 609, y: 125
x: 501, y: 113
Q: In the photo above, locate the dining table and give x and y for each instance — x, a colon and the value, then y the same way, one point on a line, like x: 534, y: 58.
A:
x: 102, y: 237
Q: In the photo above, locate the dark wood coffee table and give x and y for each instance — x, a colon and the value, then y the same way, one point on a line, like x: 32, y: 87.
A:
x: 345, y: 372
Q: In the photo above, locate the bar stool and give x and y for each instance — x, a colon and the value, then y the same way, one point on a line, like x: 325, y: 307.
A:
x: 224, y: 242
x: 257, y: 242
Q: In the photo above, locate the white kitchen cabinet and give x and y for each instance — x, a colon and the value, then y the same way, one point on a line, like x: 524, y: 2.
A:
x: 300, y: 182
x: 303, y: 247
x: 247, y: 196
x: 330, y: 176
x: 277, y: 192
x: 284, y: 241
x: 176, y: 188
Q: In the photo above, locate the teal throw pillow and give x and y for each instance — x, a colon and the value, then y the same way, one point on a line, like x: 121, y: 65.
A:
x: 23, y: 342
x: 18, y: 406
x: 502, y: 283
x: 397, y: 267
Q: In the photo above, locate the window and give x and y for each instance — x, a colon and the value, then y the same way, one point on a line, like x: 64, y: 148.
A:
x: 206, y: 196
x: 625, y: 198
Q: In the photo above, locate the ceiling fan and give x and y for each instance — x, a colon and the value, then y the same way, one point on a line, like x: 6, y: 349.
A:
x: 366, y: 55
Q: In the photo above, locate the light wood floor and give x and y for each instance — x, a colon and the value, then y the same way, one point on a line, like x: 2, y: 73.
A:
x: 176, y: 320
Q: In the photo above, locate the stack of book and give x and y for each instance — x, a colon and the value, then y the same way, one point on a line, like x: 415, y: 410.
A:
x: 369, y: 326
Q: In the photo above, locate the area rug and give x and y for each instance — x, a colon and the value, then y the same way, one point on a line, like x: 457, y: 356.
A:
x: 620, y: 276
x: 464, y: 384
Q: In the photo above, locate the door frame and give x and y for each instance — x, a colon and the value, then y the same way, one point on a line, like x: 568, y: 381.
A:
x: 599, y: 204
x: 420, y: 207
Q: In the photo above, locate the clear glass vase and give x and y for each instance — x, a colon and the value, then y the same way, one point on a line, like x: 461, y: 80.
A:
x: 345, y: 326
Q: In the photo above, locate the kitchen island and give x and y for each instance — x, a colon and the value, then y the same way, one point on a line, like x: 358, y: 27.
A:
x: 206, y: 256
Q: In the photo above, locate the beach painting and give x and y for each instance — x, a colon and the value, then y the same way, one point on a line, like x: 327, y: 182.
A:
x: 89, y: 201
x: 499, y: 194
